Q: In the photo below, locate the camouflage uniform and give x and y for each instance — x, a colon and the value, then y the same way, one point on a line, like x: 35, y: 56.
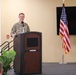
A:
x: 18, y: 28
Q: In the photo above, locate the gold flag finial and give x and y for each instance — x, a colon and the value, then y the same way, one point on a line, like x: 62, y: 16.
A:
x: 63, y: 1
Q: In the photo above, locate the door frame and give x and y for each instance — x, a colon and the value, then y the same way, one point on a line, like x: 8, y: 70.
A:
x: 0, y: 24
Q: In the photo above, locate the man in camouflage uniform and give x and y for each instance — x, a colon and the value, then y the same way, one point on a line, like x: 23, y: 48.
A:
x: 20, y: 27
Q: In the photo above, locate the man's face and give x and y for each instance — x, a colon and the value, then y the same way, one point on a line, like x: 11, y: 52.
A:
x: 21, y: 17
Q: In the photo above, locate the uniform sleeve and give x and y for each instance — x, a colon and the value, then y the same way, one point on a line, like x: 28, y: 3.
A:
x: 13, y: 30
x: 28, y: 29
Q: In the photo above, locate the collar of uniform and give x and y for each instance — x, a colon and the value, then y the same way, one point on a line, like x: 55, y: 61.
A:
x: 19, y: 22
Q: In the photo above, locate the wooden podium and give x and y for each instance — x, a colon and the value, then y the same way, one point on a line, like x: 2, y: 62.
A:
x: 28, y: 47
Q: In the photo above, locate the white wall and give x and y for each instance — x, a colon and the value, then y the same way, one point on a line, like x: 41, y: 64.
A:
x: 41, y: 16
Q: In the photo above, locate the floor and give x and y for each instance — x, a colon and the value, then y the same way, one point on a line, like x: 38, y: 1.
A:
x: 54, y: 69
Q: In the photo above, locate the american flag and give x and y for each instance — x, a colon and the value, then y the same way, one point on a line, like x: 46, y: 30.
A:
x: 64, y: 32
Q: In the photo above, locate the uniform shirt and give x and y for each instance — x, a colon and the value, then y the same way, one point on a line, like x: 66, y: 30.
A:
x: 19, y: 28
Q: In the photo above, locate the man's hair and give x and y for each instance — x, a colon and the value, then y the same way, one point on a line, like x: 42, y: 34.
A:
x: 21, y: 14
x: 1, y: 66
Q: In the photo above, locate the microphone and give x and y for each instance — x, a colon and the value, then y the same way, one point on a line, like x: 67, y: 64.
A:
x: 22, y: 26
x: 22, y: 23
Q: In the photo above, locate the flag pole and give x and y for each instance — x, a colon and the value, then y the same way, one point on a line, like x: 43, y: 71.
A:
x: 63, y: 50
x: 64, y: 32
x: 63, y: 57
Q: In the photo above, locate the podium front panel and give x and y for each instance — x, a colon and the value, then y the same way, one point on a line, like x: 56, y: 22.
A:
x: 32, y: 62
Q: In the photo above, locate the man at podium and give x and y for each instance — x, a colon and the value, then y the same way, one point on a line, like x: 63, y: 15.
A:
x: 20, y: 27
